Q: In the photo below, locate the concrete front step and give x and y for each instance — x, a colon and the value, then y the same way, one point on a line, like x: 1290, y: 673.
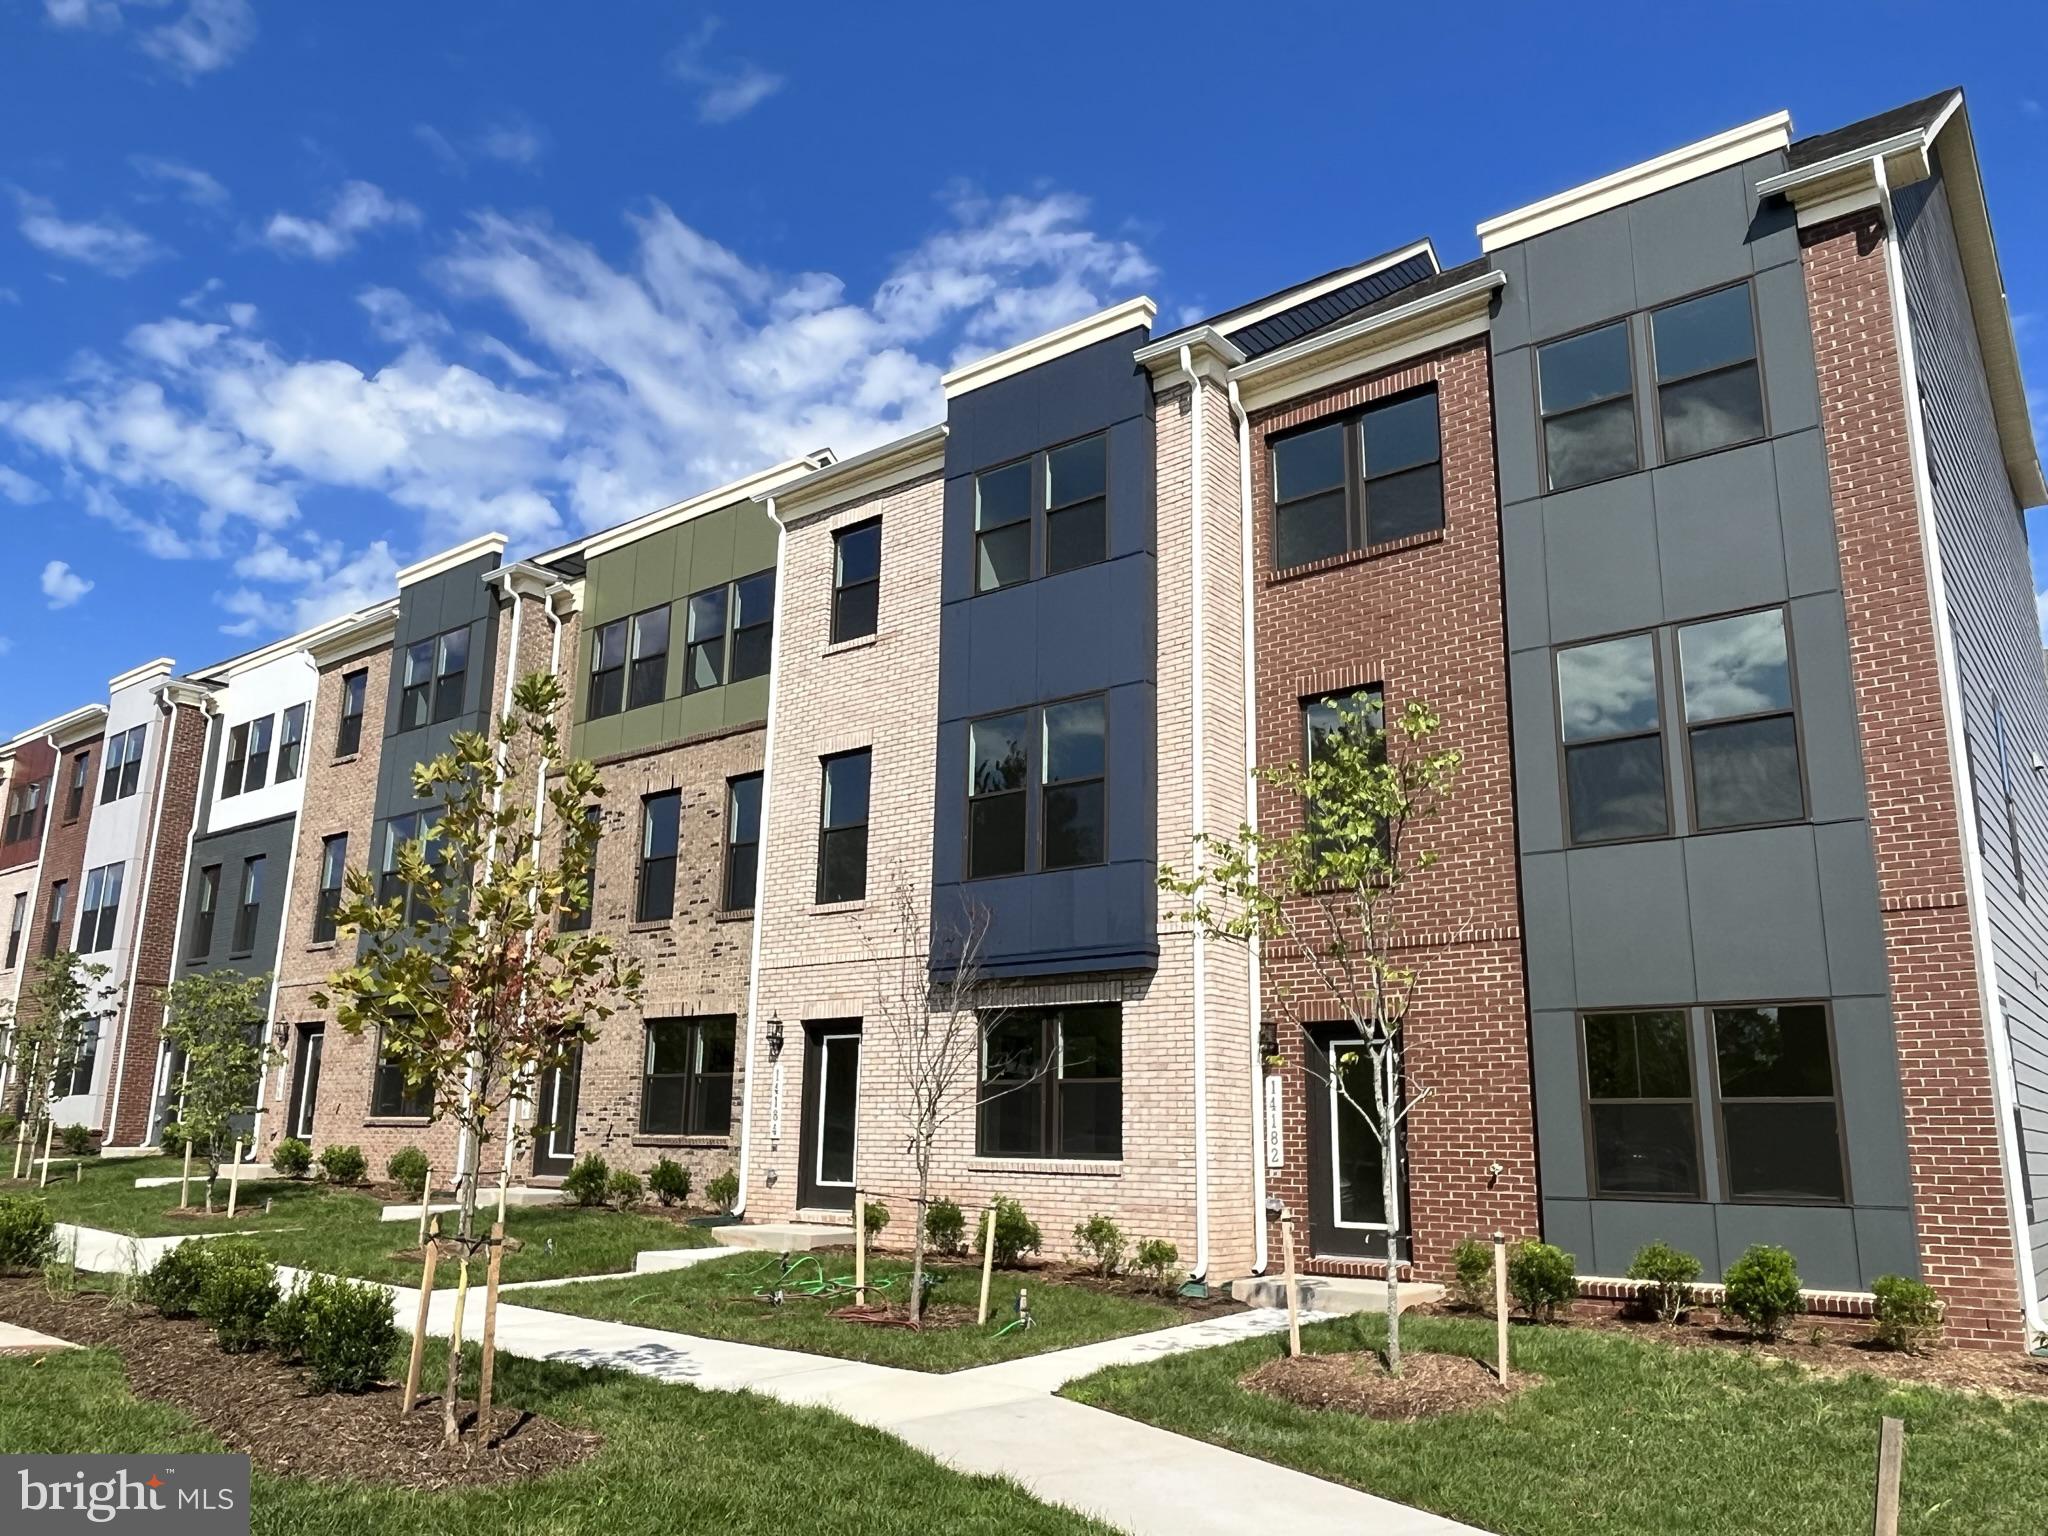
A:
x: 1330, y: 1293
x: 783, y: 1236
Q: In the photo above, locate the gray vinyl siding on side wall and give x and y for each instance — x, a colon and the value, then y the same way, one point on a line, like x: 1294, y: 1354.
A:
x: 1989, y: 581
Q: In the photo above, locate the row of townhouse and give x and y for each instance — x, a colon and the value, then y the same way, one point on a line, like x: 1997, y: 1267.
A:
x: 1694, y: 504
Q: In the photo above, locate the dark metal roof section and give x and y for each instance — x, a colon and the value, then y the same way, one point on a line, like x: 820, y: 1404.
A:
x: 1334, y: 307
x: 1872, y: 130
x: 1435, y: 282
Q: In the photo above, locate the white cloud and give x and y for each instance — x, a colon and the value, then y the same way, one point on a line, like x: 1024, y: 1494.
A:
x: 207, y: 35
x: 111, y: 244
x: 394, y: 317
x: 442, y: 147
x: 726, y: 89
x: 516, y: 142
x: 19, y: 489
x: 331, y: 580
x: 187, y: 181
x: 358, y: 208
x: 62, y: 585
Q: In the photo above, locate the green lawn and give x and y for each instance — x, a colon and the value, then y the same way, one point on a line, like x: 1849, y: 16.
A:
x: 316, y: 1227
x: 675, y: 1460
x: 716, y: 1300
x: 1624, y: 1437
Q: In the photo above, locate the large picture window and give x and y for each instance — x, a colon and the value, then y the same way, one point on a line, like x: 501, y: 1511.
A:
x: 1781, y: 1139
x: 1709, y: 389
x: 1639, y: 1098
x: 1613, y: 740
x: 1741, y: 734
x: 1370, y: 477
x: 843, y: 827
x: 686, y: 1081
x: 1586, y: 392
x: 1052, y: 1083
x: 856, y: 580
x: 660, y: 832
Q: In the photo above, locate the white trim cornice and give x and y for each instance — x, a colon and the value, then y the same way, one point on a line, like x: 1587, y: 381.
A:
x: 359, y: 633
x: 865, y: 474
x: 142, y: 674
x: 1085, y: 332
x: 1212, y: 353
x: 475, y: 549
x: 63, y: 725
x: 746, y: 488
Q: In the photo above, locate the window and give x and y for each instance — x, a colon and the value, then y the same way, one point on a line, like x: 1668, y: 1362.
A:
x: 15, y: 924
x: 81, y: 775
x: 451, y: 673
x: 856, y: 580
x: 392, y: 1097
x: 348, y: 739
x: 333, y: 872
x: 75, y: 1076
x: 249, y: 911
x: 641, y: 640
x: 259, y: 755
x: 2012, y: 820
x: 1367, y: 478
x: 1310, y: 521
x: 1741, y: 737
x: 205, y: 901
x: 998, y: 758
x: 753, y: 626
x: 53, y: 925
x: 1639, y: 1099
x: 24, y: 813
x: 1613, y: 740
x: 1077, y: 505
x: 1052, y: 1083
x: 101, y: 909
x: 743, y: 841
x: 238, y: 762
x: 843, y: 830
x: 686, y: 1082
x: 123, y: 772
x: 398, y: 831
x: 1586, y: 388
x: 1075, y: 759
x: 1355, y: 714
x: 704, y: 661
x: 575, y: 919
x: 1780, y: 1120
x: 648, y: 679
x: 1002, y: 526
x: 1709, y: 391
x: 660, y: 826
x: 291, y: 743
x: 608, y: 669
x: 416, y: 690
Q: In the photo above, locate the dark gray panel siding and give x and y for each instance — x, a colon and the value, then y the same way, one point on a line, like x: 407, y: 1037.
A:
x: 1989, y: 581
x: 454, y: 598
x: 272, y: 840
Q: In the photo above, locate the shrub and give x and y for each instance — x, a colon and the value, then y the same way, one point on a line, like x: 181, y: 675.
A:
x: 237, y: 1289
x: 344, y: 1165
x: 1101, y: 1242
x: 1155, y: 1261
x: 286, y: 1323
x: 407, y: 1166
x: 172, y: 1284
x: 1669, y: 1274
x: 349, y: 1333
x: 589, y: 1181
x: 1763, y: 1288
x: 1472, y: 1275
x: 76, y: 1140
x: 945, y: 1228
x: 874, y: 1216
x: 172, y: 1139
x: 1016, y: 1233
x: 28, y: 1232
x: 724, y: 1191
x: 625, y: 1187
x: 1908, y: 1314
x: 670, y: 1182
x: 1541, y: 1278
x: 292, y: 1158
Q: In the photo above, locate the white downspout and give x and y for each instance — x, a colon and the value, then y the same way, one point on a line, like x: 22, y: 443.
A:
x: 156, y: 821
x: 1199, y: 817
x: 761, y: 864
x: 1251, y: 817
x: 540, y: 787
x: 1966, y: 795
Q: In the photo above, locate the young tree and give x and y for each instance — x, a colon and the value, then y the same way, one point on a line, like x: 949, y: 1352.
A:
x: 464, y: 974
x: 1333, y: 891
x: 216, y: 1019
x: 57, y: 1015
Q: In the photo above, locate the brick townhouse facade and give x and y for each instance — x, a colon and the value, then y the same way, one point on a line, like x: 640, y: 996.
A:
x: 1694, y: 507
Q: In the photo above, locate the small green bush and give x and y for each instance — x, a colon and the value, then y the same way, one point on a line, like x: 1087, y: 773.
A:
x: 1155, y: 1262
x: 589, y: 1181
x: 625, y: 1189
x: 874, y: 1216
x: 1541, y: 1278
x: 1668, y: 1274
x: 1763, y: 1289
x: 670, y: 1181
x: 349, y: 1333
x: 28, y: 1232
x: 76, y: 1140
x: 237, y: 1289
x: 172, y: 1284
x: 945, y: 1228
x: 1016, y: 1233
x: 1908, y: 1314
x: 724, y: 1191
x: 292, y: 1158
x: 172, y: 1139
x: 407, y: 1166
x: 344, y: 1165
x: 1472, y: 1275
x: 1102, y: 1244
x: 285, y: 1326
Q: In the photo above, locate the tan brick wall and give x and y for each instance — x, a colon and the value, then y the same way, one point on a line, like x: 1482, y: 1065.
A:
x: 1966, y: 1241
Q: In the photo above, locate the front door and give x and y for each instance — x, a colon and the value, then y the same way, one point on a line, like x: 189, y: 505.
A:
x: 1348, y: 1215
x: 306, y: 1079
x: 831, y: 1111
x: 554, y: 1124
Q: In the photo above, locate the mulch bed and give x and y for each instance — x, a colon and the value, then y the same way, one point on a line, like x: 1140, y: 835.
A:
x: 1428, y: 1387
x: 258, y: 1405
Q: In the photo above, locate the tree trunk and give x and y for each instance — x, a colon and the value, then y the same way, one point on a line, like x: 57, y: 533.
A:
x: 1390, y: 1185
x: 924, y: 1181
x: 451, y: 1426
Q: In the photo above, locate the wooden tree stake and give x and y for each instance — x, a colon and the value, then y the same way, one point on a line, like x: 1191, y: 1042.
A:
x: 426, y: 1188
x: 419, y: 1327
x: 455, y: 1327
x: 49, y: 1135
x: 185, y: 1179
x: 502, y: 1181
x: 1891, y: 1458
x: 860, y: 1249
x: 22, y: 1137
x: 1293, y: 1304
x: 235, y: 1177
x: 483, y: 1386
x: 1500, y: 1306
x: 988, y: 1260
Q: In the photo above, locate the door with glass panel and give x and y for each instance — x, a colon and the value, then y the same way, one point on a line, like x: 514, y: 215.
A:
x: 831, y: 1115
x: 306, y: 1079
x: 554, y: 1117
x: 1346, y: 1160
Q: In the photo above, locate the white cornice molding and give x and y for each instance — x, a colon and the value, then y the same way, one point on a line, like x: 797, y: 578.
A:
x: 184, y: 690
x: 68, y: 730
x: 1681, y: 165
x: 1379, y: 341
x: 354, y: 635
x: 746, y: 488
x: 1130, y: 315
x: 866, y: 474
x: 526, y: 577
x: 1211, y: 354
x: 160, y: 667
x: 62, y: 725
x: 475, y: 549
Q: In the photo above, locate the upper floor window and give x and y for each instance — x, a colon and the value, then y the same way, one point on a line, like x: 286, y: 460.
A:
x: 451, y: 673
x: 660, y: 833
x: 74, y: 1075
x: 1780, y: 1107
x: 1639, y: 1098
x: 998, y: 812
x: 642, y: 641
x: 291, y: 743
x: 24, y: 812
x: 16, y: 922
x: 259, y: 754
x: 1052, y: 1083
x: 1002, y: 526
x: 753, y: 626
x: 1709, y: 390
x: 249, y: 910
x: 53, y: 923
x: 1067, y: 745
x: 416, y: 686
x: 1370, y: 477
x: 435, y: 678
x: 123, y: 772
x: 1355, y: 713
x: 576, y: 917
x: 391, y: 885
x: 1077, y: 505
x: 704, y: 660
x: 205, y: 901
x: 742, y: 841
x: 333, y: 871
x: 856, y: 580
x: 348, y: 739
x: 1613, y: 740
x: 843, y: 827
x: 730, y: 634
x: 1069, y: 487
x: 1075, y: 779
x: 81, y: 775
x: 1742, y: 738
x: 101, y: 910
x: 1585, y: 388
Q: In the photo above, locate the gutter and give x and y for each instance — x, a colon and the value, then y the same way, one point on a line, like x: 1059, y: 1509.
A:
x: 1198, y: 816
x: 1260, y: 1257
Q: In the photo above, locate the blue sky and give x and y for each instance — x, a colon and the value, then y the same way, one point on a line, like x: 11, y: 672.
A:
x: 293, y: 294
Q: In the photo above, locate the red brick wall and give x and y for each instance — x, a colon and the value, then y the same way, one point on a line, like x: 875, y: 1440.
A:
x: 1422, y: 618
x: 63, y: 859
x: 34, y: 763
x: 1966, y: 1241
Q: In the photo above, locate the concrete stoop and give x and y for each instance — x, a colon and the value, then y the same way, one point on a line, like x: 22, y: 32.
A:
x: 783, y: 1236
x: 1330, y: 1293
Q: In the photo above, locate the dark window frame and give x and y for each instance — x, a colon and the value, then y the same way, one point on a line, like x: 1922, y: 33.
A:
x: 257, y: 772
x: 334, y: 863
x: 53, y: 920
x: 846, y: 831
x: 291, y: 744
x: 24, y: 812
x: 1691, y: 1101
x: 417, y: 824
x: 842, y: 588
x: 205, y: 906
x: 1686, y: 725
x: 600, y: 705
x: 1051, y: 509
x: 1045, y: 1080
x: 732, y: 899
x: 740, y: 629
x: 1021, y: 793
x: 237, y: 761
x: 81, y: 779
x: 568, y: 920
x: 719, y: 643
x: 355, y: 693
x: 1545, y: 417
x: 392, y: 1095
x: 1721, y: 1101
x: 650, y: 863
x: 1358, y: 477
x: 1754, y: 362
x: 94, y: 911
x: 121, y: 768
x: 695, y: 1102
x: 1029, y: 521
x: 1046, y: 787
x: 17, y: 927
x: 1039, y: 509
x: 447, y: 679
x: 1661, y: 731
x: 1377, y: 694
x: 640, y: 692
x: 248, y: 908
x: 416, y: 697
